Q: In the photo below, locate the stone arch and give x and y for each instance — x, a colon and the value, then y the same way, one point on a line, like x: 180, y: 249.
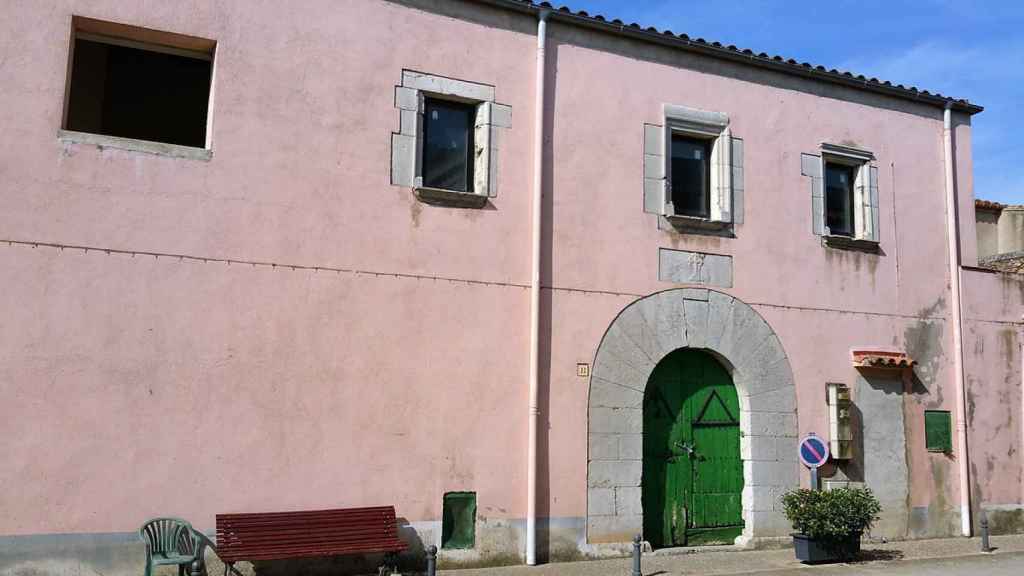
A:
x: 640, y: 336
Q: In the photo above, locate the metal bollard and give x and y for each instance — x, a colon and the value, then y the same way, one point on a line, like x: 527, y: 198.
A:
x: 432, y: 561
x: 984, y: 533
x: 636, y: 556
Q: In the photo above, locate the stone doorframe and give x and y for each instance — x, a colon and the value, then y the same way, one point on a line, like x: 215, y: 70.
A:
x: 644, y: 333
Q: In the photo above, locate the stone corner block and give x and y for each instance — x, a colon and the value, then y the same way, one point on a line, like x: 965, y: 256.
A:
x: 604, y: 529
x: 600, y: 501
x: 614, y: 473
x: 628, y: 501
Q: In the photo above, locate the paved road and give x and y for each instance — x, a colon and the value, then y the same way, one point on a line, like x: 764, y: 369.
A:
x: 994, y: 565
x: 925, y: 557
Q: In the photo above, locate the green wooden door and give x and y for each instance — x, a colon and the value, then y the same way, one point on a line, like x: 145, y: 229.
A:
x: 693, y: 475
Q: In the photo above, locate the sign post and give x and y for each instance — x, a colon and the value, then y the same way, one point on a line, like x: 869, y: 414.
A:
x: 813, y: 452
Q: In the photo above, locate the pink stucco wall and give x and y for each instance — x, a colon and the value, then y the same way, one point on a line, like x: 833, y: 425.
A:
x: 140, y: 386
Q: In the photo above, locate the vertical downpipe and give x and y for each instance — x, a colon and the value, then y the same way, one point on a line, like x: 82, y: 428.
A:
x: 953, y: 236
x: 538, y: 175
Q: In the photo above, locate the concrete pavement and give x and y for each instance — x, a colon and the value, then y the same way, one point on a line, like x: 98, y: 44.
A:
x: 945, y: 556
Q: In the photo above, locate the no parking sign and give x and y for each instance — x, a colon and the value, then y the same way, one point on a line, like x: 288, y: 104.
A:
x: 813, y: 451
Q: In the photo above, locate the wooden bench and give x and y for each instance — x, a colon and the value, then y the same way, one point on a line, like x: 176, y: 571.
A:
x: 285, y: 535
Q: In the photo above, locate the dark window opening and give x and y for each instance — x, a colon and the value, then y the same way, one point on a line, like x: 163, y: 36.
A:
x: 137, y: 93
x: 839, y: 181
x: 938, y: 431
x: 458, y: 520
x: 691, y: 176
x: 448, y: 145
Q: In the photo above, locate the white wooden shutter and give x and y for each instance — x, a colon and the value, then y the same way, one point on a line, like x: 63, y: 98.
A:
x: 866, y: 203
x: 873, y: 196
x: 721, y: 165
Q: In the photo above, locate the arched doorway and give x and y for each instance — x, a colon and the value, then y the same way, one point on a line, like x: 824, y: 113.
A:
x: 692, y: 473
x: 643, y: 334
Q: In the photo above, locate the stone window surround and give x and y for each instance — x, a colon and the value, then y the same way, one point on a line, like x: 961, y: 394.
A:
x: 865, y: 209
x: 407, y: 143
x: 726, y: 164
x: 640, y: 336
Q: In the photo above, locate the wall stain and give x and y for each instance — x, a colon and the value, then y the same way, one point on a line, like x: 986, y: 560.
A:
x: 415, y: 209
x: 923, y: 342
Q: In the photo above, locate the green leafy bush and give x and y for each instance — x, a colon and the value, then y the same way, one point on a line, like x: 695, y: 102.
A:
x: 831, y: 515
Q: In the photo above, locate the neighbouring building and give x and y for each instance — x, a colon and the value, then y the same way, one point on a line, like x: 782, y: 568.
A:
x: 1000, y: 235
x: 552, y: 278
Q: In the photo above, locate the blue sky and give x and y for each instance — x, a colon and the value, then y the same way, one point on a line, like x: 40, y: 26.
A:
x: 966, y: 49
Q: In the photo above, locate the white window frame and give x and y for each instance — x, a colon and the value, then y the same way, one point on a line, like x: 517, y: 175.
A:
x: 407, y: 144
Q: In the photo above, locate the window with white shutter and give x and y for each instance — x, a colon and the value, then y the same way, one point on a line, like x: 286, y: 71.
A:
x: 693, y: 170
x: 844, y: 195
x: 446, y: 149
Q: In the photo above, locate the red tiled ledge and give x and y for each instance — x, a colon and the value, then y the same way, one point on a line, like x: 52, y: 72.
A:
x: 882, y: 359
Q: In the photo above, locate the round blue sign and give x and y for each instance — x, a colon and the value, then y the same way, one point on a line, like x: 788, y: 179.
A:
x: 813, y: 451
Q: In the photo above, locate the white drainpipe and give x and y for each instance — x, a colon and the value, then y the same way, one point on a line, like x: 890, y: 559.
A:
x: 538, y: 175
x: 953, y: 235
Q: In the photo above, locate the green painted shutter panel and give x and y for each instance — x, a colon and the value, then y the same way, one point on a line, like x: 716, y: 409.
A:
x: 938, y: 431
x: 458, y: 520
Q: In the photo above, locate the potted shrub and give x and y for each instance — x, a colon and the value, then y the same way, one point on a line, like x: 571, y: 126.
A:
x: 829, y: 523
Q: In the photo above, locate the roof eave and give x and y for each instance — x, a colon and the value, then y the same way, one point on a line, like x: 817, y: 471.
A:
x: 725, y: 53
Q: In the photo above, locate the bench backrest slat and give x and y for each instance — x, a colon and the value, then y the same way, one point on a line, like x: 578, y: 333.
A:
x: 279, y: 535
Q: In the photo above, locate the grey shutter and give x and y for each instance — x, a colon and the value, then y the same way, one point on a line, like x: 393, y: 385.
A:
x: 421, y: 106
x: 737, y: 180
x: 810, y: 166
x: 655, y: 182
x: 483, y: 145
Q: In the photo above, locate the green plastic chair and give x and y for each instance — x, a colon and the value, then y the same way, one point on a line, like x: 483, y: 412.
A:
x: 171, y: 541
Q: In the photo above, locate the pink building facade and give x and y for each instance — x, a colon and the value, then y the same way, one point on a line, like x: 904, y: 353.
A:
x: 285, y: 317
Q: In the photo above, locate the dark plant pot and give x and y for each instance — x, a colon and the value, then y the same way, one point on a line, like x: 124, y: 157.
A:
x: 811, y: 551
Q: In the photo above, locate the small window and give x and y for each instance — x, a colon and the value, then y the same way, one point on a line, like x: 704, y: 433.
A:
x: 458, y: 520
x: 691, y: 176
x: 938, y: 431
x: 448, y: 145
x: 119, y: 86
x: 839, y: 201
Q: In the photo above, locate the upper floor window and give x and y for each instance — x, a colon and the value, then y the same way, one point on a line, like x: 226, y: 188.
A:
x: 446, y: 148
x: 448, y: 145
x: 691, y: 176
x: 839, y: 198
x: 141, y: 84
x: 844, y: 194
x: 693, y: 171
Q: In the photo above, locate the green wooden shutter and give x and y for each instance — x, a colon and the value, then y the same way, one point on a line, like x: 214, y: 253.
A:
x: 938, y: 431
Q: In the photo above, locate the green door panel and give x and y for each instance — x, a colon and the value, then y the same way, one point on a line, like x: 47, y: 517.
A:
x: 692, y: 473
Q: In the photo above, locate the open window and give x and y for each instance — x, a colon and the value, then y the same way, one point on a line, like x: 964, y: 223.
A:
x: 693, y: 170
x: 129, y: 87
x: 446, y: 149
x: 690, y: 176
x: 844, y: 195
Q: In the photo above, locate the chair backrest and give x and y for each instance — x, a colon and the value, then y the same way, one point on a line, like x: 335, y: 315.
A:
x: 166, y: 535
